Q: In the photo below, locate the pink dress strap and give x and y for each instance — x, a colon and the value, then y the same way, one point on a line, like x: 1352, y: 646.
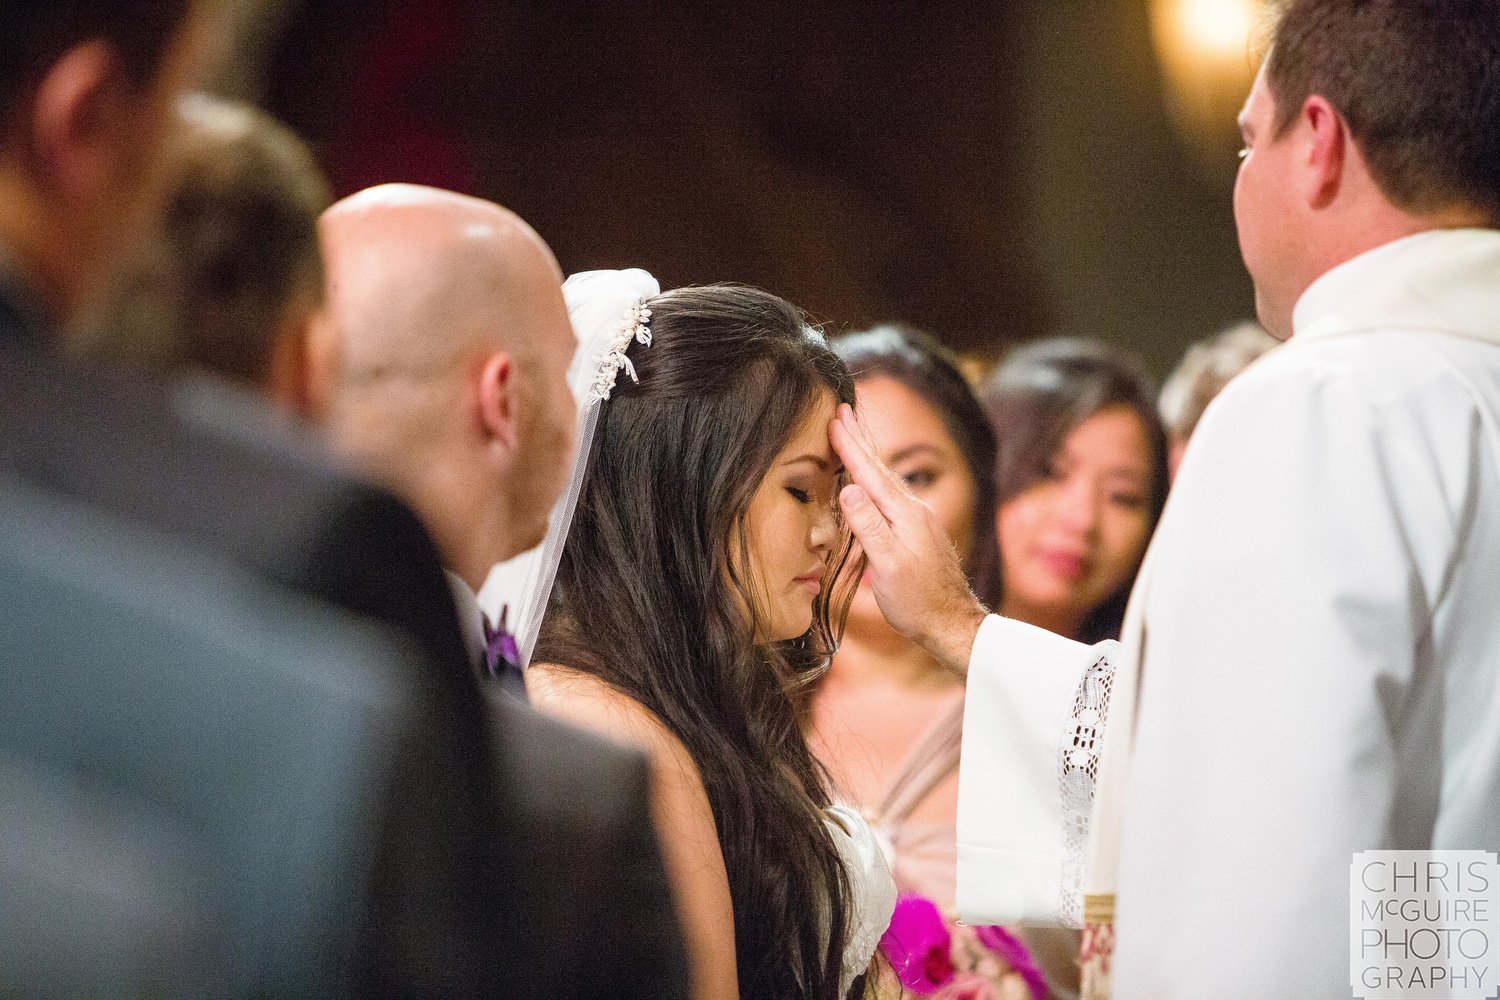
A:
x: 930, y: 760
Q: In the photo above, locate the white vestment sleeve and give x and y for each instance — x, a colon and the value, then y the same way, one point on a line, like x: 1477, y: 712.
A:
x: 1032, y: 717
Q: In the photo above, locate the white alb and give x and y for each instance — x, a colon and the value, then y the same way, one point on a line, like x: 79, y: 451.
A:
x: 1310, y: 665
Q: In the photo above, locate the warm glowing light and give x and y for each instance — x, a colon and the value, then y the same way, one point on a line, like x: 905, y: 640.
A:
x: 1207, y: 50
x: 1214, y: 29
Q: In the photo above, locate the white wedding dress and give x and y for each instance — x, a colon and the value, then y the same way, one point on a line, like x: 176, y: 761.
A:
x: 872, y: 890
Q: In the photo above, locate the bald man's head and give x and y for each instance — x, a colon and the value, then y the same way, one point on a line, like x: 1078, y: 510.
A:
x: 441, y: 361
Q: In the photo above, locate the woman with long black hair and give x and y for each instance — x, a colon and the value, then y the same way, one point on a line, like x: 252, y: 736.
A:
x: 697, y: 597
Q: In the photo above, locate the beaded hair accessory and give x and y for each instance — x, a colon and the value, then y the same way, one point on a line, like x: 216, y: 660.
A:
x: 607, y: 310
x: 635, y: 326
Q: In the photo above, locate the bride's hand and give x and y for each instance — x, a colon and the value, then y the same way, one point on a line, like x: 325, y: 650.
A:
x: 914, y: 571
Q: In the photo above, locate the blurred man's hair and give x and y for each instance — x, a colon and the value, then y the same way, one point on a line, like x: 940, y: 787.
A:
x: 1204, y: 370
x: 35, y: 33
x: 236, y: 251
x: 1418, y: 83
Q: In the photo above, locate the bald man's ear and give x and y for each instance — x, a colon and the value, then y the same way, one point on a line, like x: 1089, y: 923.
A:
x: 497, y: 400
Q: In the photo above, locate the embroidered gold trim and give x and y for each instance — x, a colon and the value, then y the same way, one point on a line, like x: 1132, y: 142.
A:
x: 1099, y: 908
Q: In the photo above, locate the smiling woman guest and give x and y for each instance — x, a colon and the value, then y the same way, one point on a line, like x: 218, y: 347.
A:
x: 1082, y: 477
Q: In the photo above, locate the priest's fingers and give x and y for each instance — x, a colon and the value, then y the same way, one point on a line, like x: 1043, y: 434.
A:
x: 865, y: 470
x: 914, y: 571
x: 869, y: 525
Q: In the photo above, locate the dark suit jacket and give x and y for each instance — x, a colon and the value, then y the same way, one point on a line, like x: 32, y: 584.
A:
x: 198, y: 464
x: 594, y: 895
x: 118, y: 443
x: 190, y: 760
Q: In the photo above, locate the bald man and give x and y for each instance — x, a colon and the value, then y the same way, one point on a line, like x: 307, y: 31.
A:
x: 439, y: 363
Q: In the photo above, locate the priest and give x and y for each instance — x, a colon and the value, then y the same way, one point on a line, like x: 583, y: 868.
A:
x: 1310, y: 665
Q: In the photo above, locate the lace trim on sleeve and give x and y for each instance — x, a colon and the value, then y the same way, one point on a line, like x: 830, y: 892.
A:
x: 1078, y: 767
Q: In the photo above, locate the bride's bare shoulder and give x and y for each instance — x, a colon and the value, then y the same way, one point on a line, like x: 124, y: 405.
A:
x: 680, y: 808
x: 584, y: 700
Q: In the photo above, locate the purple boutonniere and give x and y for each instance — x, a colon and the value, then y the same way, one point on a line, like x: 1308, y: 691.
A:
x: 501, y: 652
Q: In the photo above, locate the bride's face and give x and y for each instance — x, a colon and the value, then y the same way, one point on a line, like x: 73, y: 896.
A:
x: 790, y: 530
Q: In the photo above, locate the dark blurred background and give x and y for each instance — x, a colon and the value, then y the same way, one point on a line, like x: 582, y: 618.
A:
x: 993, y: 172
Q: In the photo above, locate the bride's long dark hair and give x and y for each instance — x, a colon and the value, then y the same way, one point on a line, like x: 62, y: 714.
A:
x: 648, y: 599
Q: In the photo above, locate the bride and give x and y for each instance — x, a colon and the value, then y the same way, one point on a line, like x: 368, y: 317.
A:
x: 698, y: 595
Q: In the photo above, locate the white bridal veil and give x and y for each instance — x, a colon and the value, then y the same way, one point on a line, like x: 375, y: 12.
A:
x: 608, y: 315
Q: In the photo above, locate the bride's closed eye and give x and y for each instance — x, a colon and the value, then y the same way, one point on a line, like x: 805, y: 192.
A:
x: 920, y: 478
x: 822, y: 488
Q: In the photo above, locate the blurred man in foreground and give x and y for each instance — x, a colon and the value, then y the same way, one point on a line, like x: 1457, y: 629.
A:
x: 435, y: 861
x: 88, y: 152
x: 230, y: 277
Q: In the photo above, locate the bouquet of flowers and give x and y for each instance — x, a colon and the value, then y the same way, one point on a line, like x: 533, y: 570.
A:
x: 932, y: 959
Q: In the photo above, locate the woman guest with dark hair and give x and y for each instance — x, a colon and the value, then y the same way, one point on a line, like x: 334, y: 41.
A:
x: 698, y: 595
x: 886, y: 720
x: 1082, y: 477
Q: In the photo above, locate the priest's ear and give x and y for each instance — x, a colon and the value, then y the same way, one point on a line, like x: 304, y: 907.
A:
x: 1328, y: 146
